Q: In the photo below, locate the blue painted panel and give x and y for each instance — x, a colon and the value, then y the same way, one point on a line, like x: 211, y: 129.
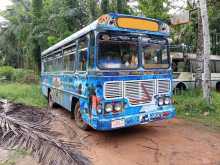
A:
x: 80, y: 86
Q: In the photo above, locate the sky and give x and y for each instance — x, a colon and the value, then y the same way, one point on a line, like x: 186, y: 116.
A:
x: 3, y: 6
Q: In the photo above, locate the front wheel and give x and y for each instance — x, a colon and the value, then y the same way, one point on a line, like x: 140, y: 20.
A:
x: 50, y: 101
x: 78, y: 118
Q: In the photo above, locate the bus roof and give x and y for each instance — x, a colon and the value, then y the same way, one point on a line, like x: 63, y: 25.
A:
x: 118, y: 22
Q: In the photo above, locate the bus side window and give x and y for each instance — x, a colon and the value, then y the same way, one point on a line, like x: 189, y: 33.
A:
x: 193, y: 65
x: 91, y: 50
x: 69, y: 58
x: 217, y: 64
x: 82, y: 53
x: 212, y: 63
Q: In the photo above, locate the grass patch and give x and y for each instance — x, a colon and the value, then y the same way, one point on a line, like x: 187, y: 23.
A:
x: 14, y: 156
x: 190, y: 105
x: 28, y: 94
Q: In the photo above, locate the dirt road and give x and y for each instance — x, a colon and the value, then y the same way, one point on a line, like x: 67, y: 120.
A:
x: 174, y: 142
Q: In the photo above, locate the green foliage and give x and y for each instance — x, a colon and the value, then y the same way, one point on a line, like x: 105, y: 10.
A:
x: 190, y: 105
x: 105, y: 8
x: 6, y: 72
x: 154, y: 8
x: 25, y: 76
x: 52, y: 40
x: 94, y: 11
x: 14, y: 156
x: 23, y: 93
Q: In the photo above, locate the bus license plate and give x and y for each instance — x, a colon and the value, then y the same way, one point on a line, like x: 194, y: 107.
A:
x: 118, y: 123
x: 156, y: 116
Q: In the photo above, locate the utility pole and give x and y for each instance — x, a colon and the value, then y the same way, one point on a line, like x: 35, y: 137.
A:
x: 206, y: 51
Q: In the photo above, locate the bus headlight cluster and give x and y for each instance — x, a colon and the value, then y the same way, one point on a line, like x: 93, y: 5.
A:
x: 167, y: 100
x: 108, y: 108
x: 116, y: 107
x: 164, y: 101
x: 160, y: 101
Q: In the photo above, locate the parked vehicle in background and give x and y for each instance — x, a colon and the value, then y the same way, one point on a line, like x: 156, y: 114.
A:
x: 184, y: 68
x: 113, y: 73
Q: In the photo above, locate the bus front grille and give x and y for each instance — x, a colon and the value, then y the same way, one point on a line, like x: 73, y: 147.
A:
x: 113, y: 90
x: 163, y: 86
x: 139, y: 92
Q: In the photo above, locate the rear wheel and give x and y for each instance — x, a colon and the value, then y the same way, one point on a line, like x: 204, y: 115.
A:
x: 218, y: 87
x: 78, y: 118
x: 180, y: 88
x: 50, y: 101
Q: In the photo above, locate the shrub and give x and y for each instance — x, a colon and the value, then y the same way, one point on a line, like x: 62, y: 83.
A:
x: 25, y: 76
x: 6, y: 72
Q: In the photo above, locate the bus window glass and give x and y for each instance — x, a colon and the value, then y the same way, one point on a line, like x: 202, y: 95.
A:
x: 179, y: 65
x: 91, y: 50
x: 82, y: 52
x: 217, y: 63
x: 118, y: 52
x: 212, y: 63
x: 71, y: 62
x: 154, y: 53
x: 69, y: 58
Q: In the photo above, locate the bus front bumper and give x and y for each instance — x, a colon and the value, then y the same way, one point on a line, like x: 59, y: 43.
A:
x: 166, y: 113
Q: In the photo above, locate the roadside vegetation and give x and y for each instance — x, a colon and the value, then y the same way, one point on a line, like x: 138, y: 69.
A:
x: 190, y: 105
x: 21, y: 86
x: 14, y: 156
x: 28, y: 94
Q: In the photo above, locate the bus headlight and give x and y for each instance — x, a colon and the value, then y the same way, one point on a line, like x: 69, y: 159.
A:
x: 108, y: 108
x: 167, y: 100
x: 118, y: 107
x: 160, y: 101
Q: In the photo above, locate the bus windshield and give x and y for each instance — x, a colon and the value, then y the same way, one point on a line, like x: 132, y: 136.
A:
x: 118, y: 52
x: 154, y: 53
x: 121, y: 52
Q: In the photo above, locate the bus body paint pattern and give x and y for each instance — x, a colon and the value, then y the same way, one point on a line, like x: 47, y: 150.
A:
x: 66, y: 86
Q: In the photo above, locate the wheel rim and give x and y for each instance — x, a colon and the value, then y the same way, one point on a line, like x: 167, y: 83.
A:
x: 79, y: 119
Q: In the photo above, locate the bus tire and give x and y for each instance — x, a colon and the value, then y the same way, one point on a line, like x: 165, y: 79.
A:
x: 218, y: 86
x: 180, y: 88
x: 50, y: 100
x: 78, y: 118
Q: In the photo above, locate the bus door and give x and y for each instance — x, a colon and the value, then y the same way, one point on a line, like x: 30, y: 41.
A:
x: 81, y: 74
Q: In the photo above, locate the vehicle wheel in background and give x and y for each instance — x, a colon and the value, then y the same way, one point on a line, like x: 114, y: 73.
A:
x: 218, y: 87
x: 78, y: 118
x: 180, y: 88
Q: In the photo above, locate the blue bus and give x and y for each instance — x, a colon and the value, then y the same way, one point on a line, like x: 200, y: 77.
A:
x: 113, y: 73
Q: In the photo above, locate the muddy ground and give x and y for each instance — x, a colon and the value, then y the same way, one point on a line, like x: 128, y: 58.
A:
x: 175, y: 142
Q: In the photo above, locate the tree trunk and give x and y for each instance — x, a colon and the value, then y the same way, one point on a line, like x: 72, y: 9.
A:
x: 199, y: 52
x: 206, y: 51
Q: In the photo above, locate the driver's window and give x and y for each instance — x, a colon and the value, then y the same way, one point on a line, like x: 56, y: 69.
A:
x: 82, y: 53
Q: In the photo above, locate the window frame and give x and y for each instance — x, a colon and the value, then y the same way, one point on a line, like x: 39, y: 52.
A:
x: 116, y: 69
x: 73, y: 52
x: 86, y: 36
x: 167, y: 50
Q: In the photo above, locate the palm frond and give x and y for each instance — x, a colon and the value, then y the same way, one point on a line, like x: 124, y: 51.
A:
x: 28, y: 128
